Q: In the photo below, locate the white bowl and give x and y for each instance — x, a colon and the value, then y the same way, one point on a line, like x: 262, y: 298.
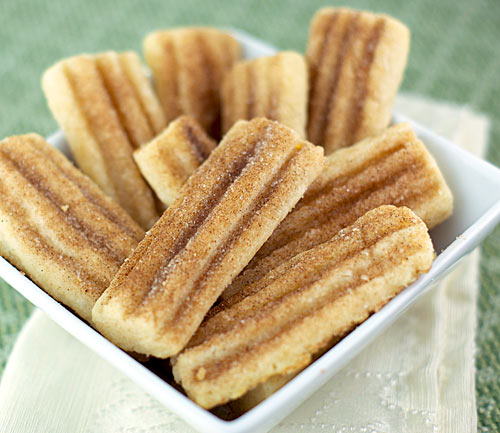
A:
x: 476, y: 188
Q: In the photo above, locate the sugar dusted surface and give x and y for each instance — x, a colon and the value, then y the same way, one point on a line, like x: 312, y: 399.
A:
x: 170, y: 158
x: 57, y: 226
x: 224, y: 213
x: 188, y: 65
x: 107, y: 108
x: 356, y: 62
x: 297, y: 309
x: 274, y: 87
x: 392, y: 168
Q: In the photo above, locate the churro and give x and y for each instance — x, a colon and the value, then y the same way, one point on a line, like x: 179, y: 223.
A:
x: 57, y: 226
x: 169, y: 159
x: 106, y: 108
x: 356, y: 62
x: 188, y: 66
x: 274, y: 87
x: 296, y: 309
x: 224, y: 213
x: 392, y: 168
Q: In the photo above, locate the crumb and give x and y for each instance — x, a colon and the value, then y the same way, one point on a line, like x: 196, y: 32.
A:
x: 200, y: 375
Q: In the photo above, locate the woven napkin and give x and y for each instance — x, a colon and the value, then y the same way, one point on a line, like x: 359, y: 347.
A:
x: 416, y: 377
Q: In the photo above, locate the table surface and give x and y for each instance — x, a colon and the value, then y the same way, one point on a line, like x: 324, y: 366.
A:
x: 454, y: 56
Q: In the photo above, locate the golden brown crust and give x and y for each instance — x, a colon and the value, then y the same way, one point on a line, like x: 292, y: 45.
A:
x: 356, y: 62
x: 301, y: 305
x: 58, y: 226
x: 392, y: 168
x: 224, y: 213
x: 274, y: 87
x: 106, y: 108
x: 188, y: 65
x: 170, y: 158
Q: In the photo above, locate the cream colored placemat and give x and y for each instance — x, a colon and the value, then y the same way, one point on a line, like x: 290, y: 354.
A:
x: 416, y: 377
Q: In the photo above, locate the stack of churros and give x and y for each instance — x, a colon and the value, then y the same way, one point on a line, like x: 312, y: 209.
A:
x: 392, y: 168
x: 266, y: 253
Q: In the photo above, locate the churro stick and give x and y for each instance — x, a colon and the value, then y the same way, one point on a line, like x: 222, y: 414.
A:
x: 356, y: 63
x: 188, y: 65
x: 392, y: 168
x: 57, y: 226
x: 274, y: 87
x: 296, y: 309
x: 225, y: 212
x: 107, y: 108
x: 168, y: 160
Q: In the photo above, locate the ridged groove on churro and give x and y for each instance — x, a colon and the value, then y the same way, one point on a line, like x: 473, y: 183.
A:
x: 392, y: 168
x: 225, y: 212
x: 168, y: 160
x: 188, y: 65
x: 107, y: 108
x: 274, y: 87
x: 301, y: 305
x: 58, y: 226
x: 356, y: 62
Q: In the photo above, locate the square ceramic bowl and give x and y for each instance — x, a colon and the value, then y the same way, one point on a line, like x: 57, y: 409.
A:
x: 476, y: 188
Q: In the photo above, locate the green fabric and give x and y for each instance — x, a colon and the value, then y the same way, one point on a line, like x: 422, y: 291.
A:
x: 454, y: 56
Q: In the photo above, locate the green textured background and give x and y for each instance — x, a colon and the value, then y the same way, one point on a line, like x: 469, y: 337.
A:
x: 455, y: 56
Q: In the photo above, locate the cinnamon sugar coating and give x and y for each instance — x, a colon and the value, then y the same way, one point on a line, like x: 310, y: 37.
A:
x: 170, y: 158
x: 274, y: 87
x: 356, y: 62
x: 57, y: 226
x: 224, y: 213
x: 296, y: 309
x: 392, y: 168
x: 106, y: 108
x: 188, y: 66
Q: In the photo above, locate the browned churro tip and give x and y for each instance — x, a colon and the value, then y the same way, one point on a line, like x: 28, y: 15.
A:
x: 57, y: 226
x: 274, y: 87
x: 302, y: 305
x: 391, y: 168
x: 224, y: 213
x: 106, y: 108
x: 169, y: 159
x: 356, y: 61
x: 188, y: 65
